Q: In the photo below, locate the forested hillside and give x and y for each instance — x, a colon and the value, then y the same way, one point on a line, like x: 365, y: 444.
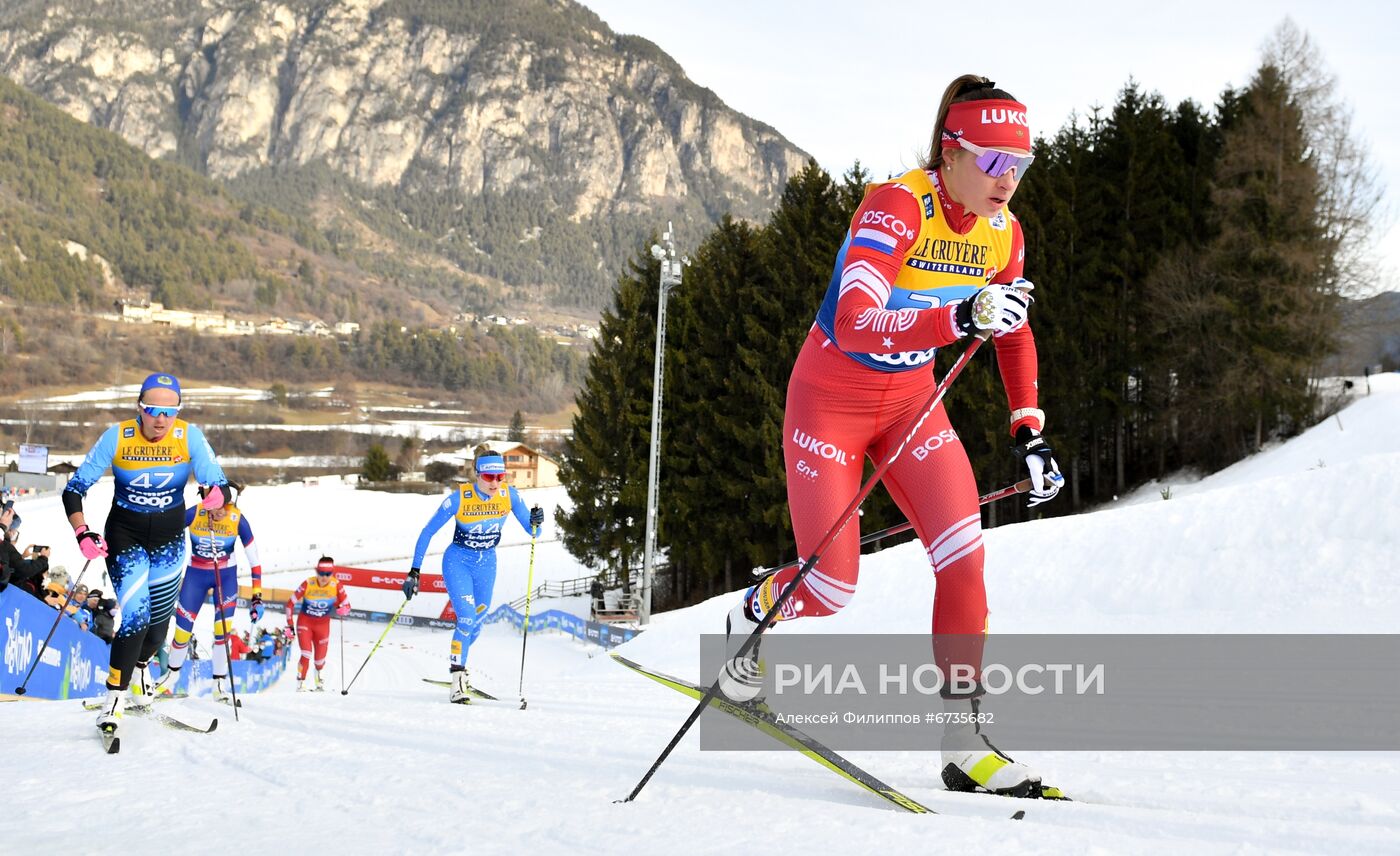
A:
x: 165, y: 232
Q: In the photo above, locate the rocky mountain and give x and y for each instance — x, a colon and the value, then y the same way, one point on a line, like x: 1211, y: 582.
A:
x: 520, y: 140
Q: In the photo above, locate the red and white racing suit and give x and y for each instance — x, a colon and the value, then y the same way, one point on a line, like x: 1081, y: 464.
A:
x: 313, y: 626
x: 864, y: 375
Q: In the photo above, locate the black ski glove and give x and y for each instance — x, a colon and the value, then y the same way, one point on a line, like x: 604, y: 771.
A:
x: 410, y: 584
x: 1039, y: 460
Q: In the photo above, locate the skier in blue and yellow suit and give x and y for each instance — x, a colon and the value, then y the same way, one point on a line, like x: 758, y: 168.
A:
x: 469, y: 565
x: 152, y: 458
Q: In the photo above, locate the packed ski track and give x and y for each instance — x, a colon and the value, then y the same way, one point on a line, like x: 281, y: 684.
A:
x: 1299, y: 539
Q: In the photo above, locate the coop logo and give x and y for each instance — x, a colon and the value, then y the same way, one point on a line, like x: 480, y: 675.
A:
x: 905, y: 358
x: 1002, y: 116
x: 943, y: 438
x: 80, y: 669
x: 19, y: 647
x: 888, y: 222
x: 817, y: 447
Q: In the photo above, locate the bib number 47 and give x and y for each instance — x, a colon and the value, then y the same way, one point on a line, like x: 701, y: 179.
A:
x: 151, y: 481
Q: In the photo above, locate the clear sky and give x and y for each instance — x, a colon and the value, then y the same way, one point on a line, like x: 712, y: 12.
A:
x: 861, y: 80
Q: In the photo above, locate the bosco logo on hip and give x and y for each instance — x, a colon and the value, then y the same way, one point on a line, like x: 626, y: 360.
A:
x: 943, y: 438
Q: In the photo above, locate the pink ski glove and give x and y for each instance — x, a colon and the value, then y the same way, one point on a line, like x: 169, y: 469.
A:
x: 343, y: 610
x: 90, y: 544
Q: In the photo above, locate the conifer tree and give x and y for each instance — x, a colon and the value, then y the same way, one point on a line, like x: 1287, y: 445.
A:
x: 708, y: 439
x: 604, y: 465
x: 1256, y: 307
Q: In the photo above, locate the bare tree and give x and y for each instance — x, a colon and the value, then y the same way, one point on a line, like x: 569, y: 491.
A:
x: 1349, y: 187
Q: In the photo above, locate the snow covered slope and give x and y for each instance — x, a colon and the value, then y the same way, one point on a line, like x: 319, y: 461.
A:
x: 1275, y: 544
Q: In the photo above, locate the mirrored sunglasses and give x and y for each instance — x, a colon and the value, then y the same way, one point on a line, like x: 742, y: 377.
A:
x: 491, y: 477
x: 153, y: 411
x: 995, y: 163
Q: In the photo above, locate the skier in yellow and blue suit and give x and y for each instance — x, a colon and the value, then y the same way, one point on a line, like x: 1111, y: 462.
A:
x: 469, y: 565
x: 152, y: 458
x: 212, y: 535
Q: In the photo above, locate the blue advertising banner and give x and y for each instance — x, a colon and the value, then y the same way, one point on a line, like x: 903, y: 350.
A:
x: 607, y: 635
x: 73, y: 666
x: 75, y: 663
x: 250, y: 676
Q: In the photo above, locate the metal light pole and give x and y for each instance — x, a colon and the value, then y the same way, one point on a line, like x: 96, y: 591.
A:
x: 670, y: 278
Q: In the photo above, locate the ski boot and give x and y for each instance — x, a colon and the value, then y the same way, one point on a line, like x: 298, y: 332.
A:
x: 461, y: 688
x: 320, y: 684
x: 971, y: 764
x: 301, y: 685
x: 142, y: 688
x: 110, y: 719
x: 165, y: 686
x: 741, y: 679
x: 220, y: 693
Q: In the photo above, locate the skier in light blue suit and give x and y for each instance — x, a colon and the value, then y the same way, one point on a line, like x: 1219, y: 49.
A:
x: 469, y: 565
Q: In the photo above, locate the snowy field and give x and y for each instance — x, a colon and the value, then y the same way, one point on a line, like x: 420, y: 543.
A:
x: 424, y: 421
x: 1301, y: 538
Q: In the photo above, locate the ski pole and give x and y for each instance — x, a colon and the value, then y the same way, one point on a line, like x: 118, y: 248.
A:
x: 811, y: 561
x: 342, y: 655
x: 1022, y: 486
x: 393, y: 619
x: 228, y: 628
x: 23, y: 686
x: 525, y: 633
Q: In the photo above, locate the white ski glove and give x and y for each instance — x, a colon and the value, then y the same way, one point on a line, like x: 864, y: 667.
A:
x: 1001, y: 308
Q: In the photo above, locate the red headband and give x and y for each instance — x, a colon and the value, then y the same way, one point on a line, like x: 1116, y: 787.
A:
x: 993, y: 123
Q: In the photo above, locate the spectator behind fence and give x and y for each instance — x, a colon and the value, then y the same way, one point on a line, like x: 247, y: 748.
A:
x: 257, y: 652
x: 53, y: 595
x: 59, y: 574
x: 59, y: 584
x: 82, y: 615
x: 23, y: 570
x: 595, y: 598
x: 237, y: 646
x: 104, y: 612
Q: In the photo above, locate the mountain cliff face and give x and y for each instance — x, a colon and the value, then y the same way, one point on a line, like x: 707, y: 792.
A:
x: 550, y: 128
